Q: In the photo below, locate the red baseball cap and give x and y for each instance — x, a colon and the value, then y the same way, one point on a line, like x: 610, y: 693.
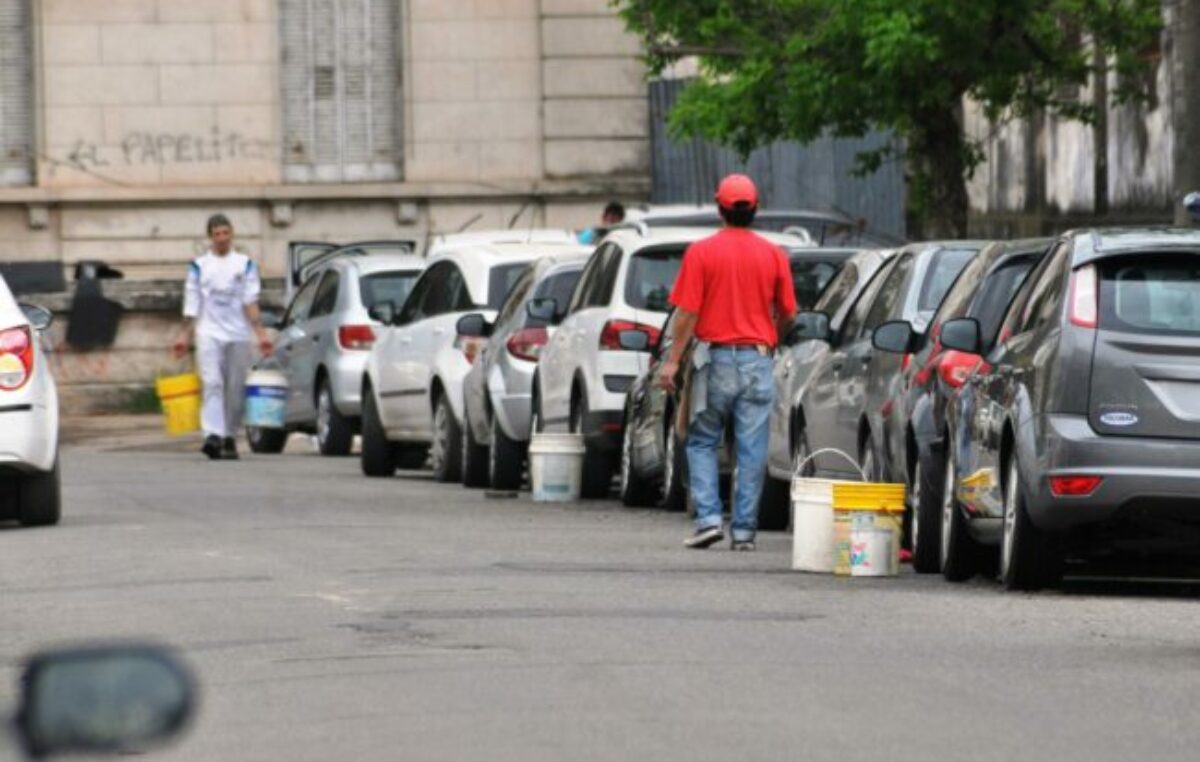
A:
x: 736, y: 189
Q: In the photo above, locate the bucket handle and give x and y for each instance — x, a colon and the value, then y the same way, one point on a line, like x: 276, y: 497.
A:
x: 831, y: 451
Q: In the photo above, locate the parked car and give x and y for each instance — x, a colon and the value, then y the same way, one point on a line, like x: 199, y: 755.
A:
x: 841, y: 406
x: 653, y: 466
x: 794, y: 363
x: 324, y: 337
x: 29, y: 464
x: 932, y: 375
x: 824, y: 228
x: 584, y: 373
x: 441, y: 243
x: 412, y: 386
x: 1078, y: 435
x: 304, y: 257
x: 497, y: 390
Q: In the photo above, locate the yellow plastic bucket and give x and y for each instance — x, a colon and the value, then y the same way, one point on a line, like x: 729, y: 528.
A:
x: 180, y: 400
x: 868, y: 523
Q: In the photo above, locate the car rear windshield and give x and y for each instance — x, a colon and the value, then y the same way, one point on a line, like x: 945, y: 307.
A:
x: 651, y: 277
x: 393, y: 287
x: 1151, y: 293
x: 501, y: 281
x: 943, y: 271
x: 810, y: 277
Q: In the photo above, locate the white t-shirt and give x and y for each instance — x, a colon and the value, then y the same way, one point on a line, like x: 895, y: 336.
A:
x: 217, y: 291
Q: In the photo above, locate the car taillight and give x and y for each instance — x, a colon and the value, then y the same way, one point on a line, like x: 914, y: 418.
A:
x: 1083, y: 297
x: 16, y: 358
x: 470, y: 346
x: 527, y: 343
x: 1074, y: 486
x: 956, y: 367
x: 610, y: 337
x: 356, y: 337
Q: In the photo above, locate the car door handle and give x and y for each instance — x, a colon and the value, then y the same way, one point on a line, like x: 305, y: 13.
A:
x: 439, y: 331
x: 405, y: 339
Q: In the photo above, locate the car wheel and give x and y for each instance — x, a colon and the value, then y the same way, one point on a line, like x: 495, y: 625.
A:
x: 39, y: 502
x: 597, y: 465
x: 674, y: 488
x: 775, y: 508
x: 1029, y: 557
x: 410, y: 457
x: 266, y: 441
x: 446, y: 452
x: 635, y: 492
x: 958, y: 553
x: 378, y: 454
x: 335, y: 432
x: 926, y: 513
x: 506, y: 459
x: 474, y: 457
x: 869, y: 460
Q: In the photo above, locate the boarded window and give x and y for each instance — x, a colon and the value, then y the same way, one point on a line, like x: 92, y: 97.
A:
x: 341, y: 80
x: 16, y: 95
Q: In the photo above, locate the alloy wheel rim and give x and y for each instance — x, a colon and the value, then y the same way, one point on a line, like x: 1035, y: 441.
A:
x: 438, y: 452
x: 916, y: 507
x: 669, y: 465
x: 492, y: 453
x: 626, y: 459
x: 947, y: 512
x: 1010, y: 521
x: 323, y: 415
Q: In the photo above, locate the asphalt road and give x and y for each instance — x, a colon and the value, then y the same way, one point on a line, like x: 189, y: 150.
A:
x: 332, y: 617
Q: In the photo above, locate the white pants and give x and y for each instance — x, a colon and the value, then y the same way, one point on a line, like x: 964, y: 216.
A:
x: 224, y: 366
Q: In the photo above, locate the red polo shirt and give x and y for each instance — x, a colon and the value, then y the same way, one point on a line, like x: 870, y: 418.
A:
x: 737, y: 282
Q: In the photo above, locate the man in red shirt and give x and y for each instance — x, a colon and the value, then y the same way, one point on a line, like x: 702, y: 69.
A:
x: 734, y: 294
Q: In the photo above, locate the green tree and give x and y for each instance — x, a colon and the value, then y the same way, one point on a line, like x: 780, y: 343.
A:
x: 798, y: 69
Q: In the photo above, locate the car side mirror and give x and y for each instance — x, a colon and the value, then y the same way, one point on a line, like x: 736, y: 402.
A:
x: 112, y: 699
x: 543, y: 308
x: 634, y: 341
x: 271, y: 319
x: 474, y: 326
x: 383, y: 312
x: 962, y: 334
x: 39, y: 317
x: 895, y: 336
x: 809, y: 326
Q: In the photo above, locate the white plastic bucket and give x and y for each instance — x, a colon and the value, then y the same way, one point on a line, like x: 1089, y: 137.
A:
x: 556, y: 467
x: 266, y: 399
x: 873, y: 545
x: 812, y: 525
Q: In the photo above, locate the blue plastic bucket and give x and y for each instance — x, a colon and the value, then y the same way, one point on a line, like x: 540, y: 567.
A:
x: 266, y: 400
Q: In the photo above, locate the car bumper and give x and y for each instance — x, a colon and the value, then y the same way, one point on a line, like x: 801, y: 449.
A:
x: 28, y: 438
x: 345, y: 379
x: 1142, y: 477
x: 510, y: 388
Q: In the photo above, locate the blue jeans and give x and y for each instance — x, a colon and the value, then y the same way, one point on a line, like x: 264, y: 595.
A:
x: 739, y: 388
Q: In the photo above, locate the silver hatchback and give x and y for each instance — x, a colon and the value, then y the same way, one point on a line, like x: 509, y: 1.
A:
x: 324, y: 338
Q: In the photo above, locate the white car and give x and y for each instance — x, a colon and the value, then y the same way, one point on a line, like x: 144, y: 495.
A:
x: 29, y: 475
x: 584, y: 372
x: 413, y: 385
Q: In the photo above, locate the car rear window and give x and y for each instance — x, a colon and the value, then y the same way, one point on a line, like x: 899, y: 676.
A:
x: 651, y: 277
x: 943, y: 271
x: 393, y: 287
x: 1151, y: 293
x: 501, y: 281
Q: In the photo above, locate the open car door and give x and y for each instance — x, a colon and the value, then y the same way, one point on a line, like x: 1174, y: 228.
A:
x: 301, y: 255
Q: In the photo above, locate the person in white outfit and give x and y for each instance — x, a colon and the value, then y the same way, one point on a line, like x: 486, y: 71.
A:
x: 221, y: 316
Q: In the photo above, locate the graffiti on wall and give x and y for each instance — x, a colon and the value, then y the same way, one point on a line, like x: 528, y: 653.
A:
x: 141, y: 148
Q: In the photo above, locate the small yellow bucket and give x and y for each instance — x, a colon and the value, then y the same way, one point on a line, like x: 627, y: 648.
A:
x: 868, y: 523
x: 180, y: 399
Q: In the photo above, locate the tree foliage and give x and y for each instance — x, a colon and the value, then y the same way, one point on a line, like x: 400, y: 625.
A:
x: 799, y: 69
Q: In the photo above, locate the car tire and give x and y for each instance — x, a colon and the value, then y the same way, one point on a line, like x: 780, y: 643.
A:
x: 335, y: 432
x: 474, y: 457
x: 39, y: 500
x: 635, y: 491
x: 410, y: 457
x: 775, y: 508
x: 378, y: 454
x: 958, y: 553
x: 1029, y: 557
x: 506, y: 460
x: 266, y: 441
x: 926, y: 519
x: 675, y: 471
x: 597, y: 464
x: 446, y: 452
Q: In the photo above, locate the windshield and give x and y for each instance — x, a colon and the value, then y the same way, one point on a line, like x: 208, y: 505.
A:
x: 501, y: 281
x: 943, y: 271
x: 1151, y: 294
x: 393, y: 287
x: 651, y: 277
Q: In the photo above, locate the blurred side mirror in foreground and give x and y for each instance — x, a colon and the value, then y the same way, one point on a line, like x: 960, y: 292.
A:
x: 103, y: 700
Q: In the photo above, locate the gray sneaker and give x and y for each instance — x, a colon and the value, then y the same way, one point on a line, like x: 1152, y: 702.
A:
x: 743, y: 546
x: 704, y: 538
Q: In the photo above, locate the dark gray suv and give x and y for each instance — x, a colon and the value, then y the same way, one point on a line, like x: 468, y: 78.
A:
x: 1080, y: 431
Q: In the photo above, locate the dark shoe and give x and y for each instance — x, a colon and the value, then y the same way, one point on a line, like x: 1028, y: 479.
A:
x: 212, y: 447
x: 704, y: 538
x: 743, y: 546
x: 229, y: 449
